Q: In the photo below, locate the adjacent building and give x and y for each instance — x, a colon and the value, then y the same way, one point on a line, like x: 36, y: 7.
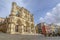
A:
x: 38, y: 28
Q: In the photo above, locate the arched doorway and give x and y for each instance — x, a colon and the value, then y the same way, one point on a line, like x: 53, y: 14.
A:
x: 27, y: 27
x: 19, y: 26
x: 16, y: 28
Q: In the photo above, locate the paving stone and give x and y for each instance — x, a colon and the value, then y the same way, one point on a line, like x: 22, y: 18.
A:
x: 4, y: 36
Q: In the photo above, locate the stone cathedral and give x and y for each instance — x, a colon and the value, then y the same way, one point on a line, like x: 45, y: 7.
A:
x: 20, y: 21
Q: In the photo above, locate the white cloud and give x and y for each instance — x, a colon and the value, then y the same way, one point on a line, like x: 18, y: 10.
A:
x: 53, y: 16
x: 41, y: 19
x: 58, y: 4
x: 48, y: 14
x: 5, y: 6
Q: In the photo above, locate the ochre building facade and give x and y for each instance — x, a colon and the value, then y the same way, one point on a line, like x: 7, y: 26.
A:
x: 20, y: 21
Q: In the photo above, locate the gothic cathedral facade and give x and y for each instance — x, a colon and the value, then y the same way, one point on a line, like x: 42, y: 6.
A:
x: 20, y: 21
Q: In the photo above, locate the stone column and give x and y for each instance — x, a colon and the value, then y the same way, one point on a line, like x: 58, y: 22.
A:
x: 22, y: 29
x: 12, y: 29
x: 9, y: 28
x: 34, y: 31
x: 30, y: 29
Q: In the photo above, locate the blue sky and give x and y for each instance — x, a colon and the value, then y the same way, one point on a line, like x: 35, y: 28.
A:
x: 39, y: 8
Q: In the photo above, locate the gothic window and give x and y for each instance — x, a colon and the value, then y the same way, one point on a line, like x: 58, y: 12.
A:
x: 31, y: 19
x: 17, y: 12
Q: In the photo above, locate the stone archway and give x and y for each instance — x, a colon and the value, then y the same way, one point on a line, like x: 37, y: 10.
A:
x: 19, y: 26
x: 27, y: 27
x: 19, y: 22
x: 16, y: 28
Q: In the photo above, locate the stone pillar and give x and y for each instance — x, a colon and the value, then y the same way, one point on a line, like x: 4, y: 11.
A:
x: 34, y: 31
x: 9, y: 28
x: 30, y: 30
x: 12, y: 29
x: 22, y: 29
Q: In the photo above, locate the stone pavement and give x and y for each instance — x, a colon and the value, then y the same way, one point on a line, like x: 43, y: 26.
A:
x: 4, y: 36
